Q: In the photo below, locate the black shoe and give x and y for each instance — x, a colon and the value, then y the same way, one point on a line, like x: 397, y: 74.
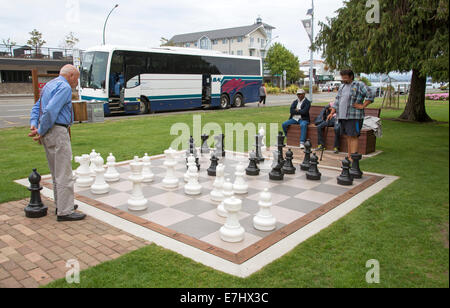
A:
x: 75, y: 207
x: 72, y: 217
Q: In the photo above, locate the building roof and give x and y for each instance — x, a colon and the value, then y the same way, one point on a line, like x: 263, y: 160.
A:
x: 219, y: 34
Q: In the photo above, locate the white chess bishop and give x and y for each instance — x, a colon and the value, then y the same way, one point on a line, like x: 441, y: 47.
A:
x: 227, y: 192
x: 100, y: 186
x: 217, y: 192
x: 240, y: 187
x: 111, y: 174
x: 232, y: 231
x: 146, y: 170
x: 137, y: 201
x: 83, y: 173
x: 264, y: 220
x: 193, y: 187
x: 170, y: 181
x: 92, y: 156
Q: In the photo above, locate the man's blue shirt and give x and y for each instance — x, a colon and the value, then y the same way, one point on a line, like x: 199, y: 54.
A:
x: 56, y: 100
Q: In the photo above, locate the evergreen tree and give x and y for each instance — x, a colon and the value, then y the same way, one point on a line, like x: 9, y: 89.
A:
x: 412, y: 35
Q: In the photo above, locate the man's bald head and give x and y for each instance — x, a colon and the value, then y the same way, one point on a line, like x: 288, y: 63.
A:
x: 71, y: 74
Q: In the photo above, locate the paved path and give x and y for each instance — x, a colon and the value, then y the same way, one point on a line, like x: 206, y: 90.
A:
x: 34, y: 252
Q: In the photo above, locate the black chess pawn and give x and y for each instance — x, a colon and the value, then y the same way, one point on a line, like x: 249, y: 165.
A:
x: 35, y: 209
x: 277, y: 173
x: 253, y: 169
x: 213, y: 167
x: 205, y: 147
x: 355, y: 171
x: 307, y: 160
x: 313, y: 173
x: 288, y: 167
x: 345, y: 178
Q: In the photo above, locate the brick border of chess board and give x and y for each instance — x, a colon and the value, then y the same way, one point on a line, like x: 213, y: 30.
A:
x: 247, y: 253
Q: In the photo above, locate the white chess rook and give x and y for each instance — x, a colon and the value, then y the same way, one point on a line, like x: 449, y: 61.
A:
x: 146, y: 170
x: 232, y: 231
x: 111, y: 174
x: 83, y: 173
x: 227, y: 194
x: 264, y: 220
x: 100, y: 186
x: 137, y: 201
x: 193, y: 187
x: 240, y: 187
x: 217, y: 192
x: 170, y: 181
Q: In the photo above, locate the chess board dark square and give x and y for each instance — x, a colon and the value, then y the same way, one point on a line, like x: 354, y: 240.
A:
x: 196, y: 227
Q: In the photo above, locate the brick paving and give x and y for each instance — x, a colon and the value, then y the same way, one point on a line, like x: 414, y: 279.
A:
x: 34, y: 252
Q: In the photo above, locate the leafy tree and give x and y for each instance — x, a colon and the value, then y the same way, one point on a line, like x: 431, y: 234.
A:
x: 412, y: 35
x: 36, y: 40
x: 365, y: 80
x: 166, y: 42
x: 279, y: 59
x: 9, y: 43
x: 70, y: 41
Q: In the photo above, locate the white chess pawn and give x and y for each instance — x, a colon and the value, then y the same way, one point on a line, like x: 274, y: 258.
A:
x: 217, y: 192
x: 189, y: 164
x: 100, y: 186
x: 137, y: 202
x: 227, y: 193
x: 170, y: 181
x: 111, y: 174
x: 264, y: 220
x: 240, y: 187
x: 146, y: 170
x: 193, y: 187
x: 84, y: 178
x: 232, y: 231
x: 92, y: 156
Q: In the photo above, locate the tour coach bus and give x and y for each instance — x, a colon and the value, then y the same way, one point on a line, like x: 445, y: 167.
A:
x: 139, y: 80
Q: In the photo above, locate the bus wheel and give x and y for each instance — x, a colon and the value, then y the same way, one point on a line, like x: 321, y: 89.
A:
x: 238, y: 101
x: 224, y: 102
x: 143, y: 106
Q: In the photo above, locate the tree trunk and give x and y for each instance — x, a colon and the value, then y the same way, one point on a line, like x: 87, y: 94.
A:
x: 415, y: 108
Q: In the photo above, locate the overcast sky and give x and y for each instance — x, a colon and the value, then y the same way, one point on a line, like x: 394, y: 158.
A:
x: 144, y: 22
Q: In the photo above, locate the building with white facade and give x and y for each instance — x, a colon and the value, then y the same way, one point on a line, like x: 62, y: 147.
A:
x: 321, y: 72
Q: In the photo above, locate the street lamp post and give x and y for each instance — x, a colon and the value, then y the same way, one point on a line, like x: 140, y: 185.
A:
x: 311, y: 68
x: 104, y: 27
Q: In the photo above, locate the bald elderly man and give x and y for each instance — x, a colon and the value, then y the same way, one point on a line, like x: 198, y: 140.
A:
x: 51, y: 118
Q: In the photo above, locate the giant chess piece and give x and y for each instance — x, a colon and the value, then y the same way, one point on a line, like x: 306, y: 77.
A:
x: 35, y: 208
x: 232, y: 231
x: 217, y: 192
x: 355, y: 171
x: 220, y: 146
x: 227, y: 191
x: 193, y: 187
x: 191, y: 162
x: 275, y: 159
x: 280, y: 146
x: 205, y: 147
x: 258, y: 145
x: 288, y: 167
x: 146, y: 170
x: 137, y: 201
x: 170, y: 181
x: 345, y: 179
x: 307, y: 160
x: 214, y: 162
x: 84, y: 178
x: 262, y: 133
x: 240, y: 187
x: 111, y: 174
x: 100, y: 187
x: 92, y: 156
x: 253, y: 169
x: 277, y: 173
x: 313, y: 173
x: 264, y: 220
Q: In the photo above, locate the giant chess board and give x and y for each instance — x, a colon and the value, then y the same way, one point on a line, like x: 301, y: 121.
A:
x: 192, y: 221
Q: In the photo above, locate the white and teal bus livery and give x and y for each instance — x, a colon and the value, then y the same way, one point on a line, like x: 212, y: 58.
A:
x: 139, y: 81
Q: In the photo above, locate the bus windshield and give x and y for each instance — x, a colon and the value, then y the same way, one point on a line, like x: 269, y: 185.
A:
x: 93, y: 70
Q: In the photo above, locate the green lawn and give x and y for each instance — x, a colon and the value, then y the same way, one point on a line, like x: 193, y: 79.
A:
x: 405, y: 226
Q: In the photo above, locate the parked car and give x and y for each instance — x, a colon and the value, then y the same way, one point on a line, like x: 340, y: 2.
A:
x: 377, y: 92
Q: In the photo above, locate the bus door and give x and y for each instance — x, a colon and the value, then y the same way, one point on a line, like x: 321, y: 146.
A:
x: 206, y: 89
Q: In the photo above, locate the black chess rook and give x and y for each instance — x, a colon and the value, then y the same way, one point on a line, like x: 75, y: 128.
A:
x: 35, y: 208
x: 214, y: 163
x: 355, y: 171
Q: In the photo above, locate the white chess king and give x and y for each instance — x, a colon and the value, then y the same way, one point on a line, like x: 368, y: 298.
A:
x: 137, y: 202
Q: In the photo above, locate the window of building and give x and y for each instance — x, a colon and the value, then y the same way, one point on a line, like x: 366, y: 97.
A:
x: 240, y: 39
x: 16, y: 76
x: 215, y: 42
x: 205, y: 43
x: 224, y: 41
x: 188, y: 45
x: 240, y: 53
x: 232, y: 52
x: 259, y: 39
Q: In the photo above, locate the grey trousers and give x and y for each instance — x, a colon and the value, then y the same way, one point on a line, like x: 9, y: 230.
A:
x: 59, y: 156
